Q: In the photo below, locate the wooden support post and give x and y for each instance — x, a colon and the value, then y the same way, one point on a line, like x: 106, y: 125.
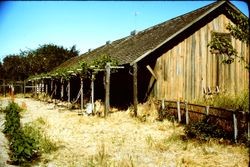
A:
x: 81, y: 93
x: 235, y: 127
x: 135, y: 89
x: 46, y: 88
x: 4, y: 89
x: 55, y: 94
x: 24, y: 90
x: 55, y: 89
x: 107, y: 89
x: 207, y: 110
x: 35, y: 89
x: 92, y: 92
x: 179, y: 111
x: 186, y: 110
x: 69, y: 90
x: 51, y: 85
x: 62, y: 88
x: 42, y: 87
x: 32, y: 89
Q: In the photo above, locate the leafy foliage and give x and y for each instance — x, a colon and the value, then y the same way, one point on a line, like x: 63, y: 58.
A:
x: 12, y: 117
x: 35, y: 131
x: 14, y: 67
x: 239, y: 31
x: 204, y: 130
x: 23, y: 148
x: 33, y: 62
x: 103, y: 60
x: 221, y: 45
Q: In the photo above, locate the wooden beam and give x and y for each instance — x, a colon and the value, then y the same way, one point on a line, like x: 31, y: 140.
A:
x: 135, y: 89
x: 151, y: 71
x: 107, y: 89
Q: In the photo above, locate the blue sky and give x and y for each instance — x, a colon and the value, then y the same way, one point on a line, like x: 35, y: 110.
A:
x: 86, y: 24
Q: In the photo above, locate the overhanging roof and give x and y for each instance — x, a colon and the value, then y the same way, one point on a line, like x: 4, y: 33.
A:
x: 134, y: 48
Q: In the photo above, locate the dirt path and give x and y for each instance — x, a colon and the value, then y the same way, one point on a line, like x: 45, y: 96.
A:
x: 120, y: 140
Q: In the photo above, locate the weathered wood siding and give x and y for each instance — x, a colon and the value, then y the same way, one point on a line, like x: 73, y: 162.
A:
x: 189, y: 67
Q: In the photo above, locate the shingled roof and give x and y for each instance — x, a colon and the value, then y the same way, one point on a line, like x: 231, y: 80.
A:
x: 133, y: 48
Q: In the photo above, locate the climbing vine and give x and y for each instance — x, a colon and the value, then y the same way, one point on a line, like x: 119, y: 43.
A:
x: 83, y: 68
x: 223, y: 46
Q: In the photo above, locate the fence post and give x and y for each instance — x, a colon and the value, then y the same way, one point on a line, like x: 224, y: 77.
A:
x: 207, y: 110
x: 162, y: 104
x: 179, y: 111
x: 235, y: 127
x: 248, y: 126
x: 186, y: 110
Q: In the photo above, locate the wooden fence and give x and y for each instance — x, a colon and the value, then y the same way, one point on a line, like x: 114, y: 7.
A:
x: 232, y: 121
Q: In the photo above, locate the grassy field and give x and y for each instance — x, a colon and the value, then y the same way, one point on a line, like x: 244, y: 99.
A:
x: 120, y: 140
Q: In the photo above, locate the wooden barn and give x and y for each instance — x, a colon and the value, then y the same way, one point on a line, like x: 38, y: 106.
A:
x: 172, y: 60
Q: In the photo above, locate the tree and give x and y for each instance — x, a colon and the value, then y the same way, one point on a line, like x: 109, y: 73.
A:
x: 32, y: 62
x: 14, y: 67
x: 49, y: 56
x: 239, y: 31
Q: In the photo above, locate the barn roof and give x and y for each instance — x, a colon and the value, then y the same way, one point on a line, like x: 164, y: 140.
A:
x: 133, y: 48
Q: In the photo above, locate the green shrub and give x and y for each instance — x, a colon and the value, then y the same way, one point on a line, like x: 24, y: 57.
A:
x: 204, y: 130
x: 23, y: 148
x: 34, y: 131
x: 12, y: 119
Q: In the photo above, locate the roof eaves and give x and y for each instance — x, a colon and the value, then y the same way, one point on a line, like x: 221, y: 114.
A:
x: 178, y: 32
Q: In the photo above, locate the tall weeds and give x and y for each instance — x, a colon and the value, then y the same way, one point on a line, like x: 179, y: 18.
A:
x: 226, y: 100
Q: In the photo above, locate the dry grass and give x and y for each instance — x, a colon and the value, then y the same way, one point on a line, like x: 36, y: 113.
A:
x: 120, y: 140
